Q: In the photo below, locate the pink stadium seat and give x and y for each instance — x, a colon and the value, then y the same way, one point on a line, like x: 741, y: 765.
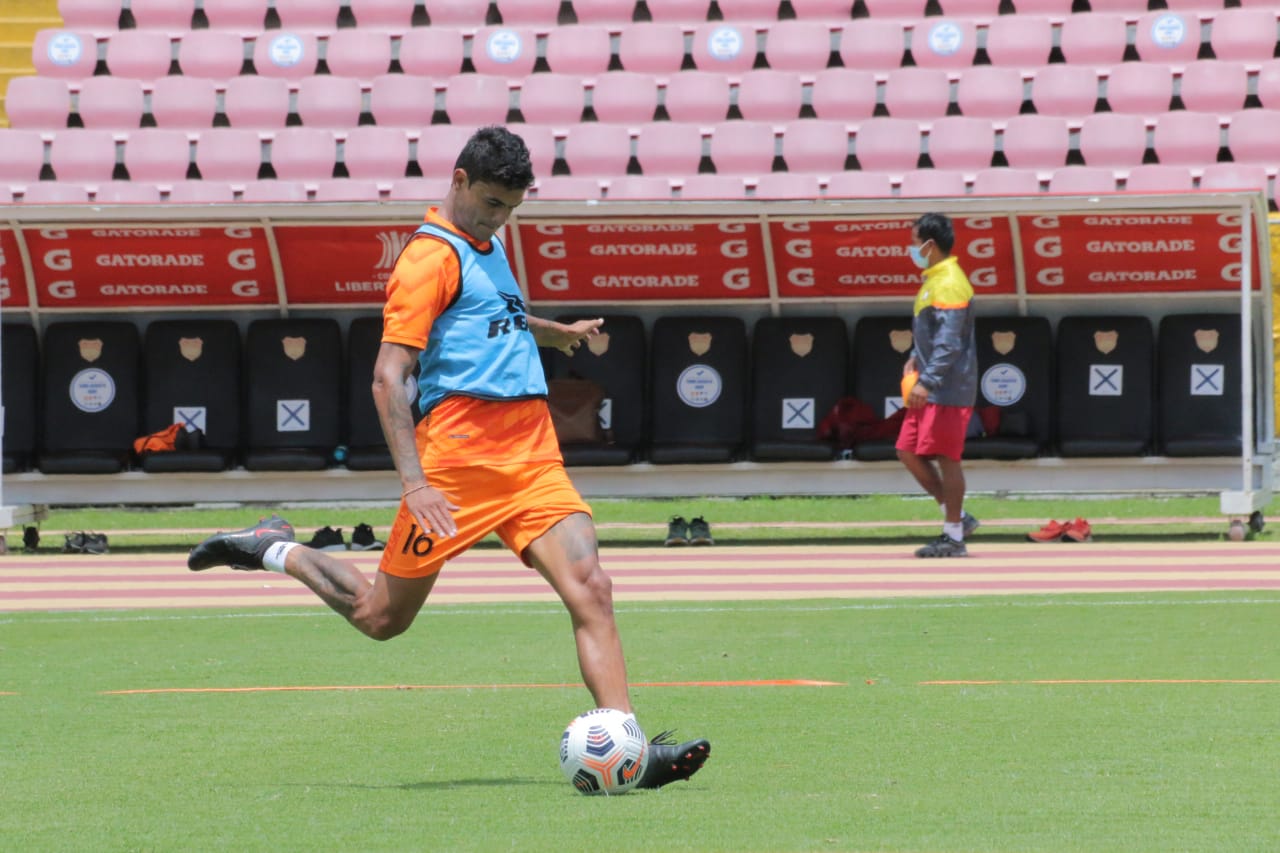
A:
x: 812, y: 145
x: 604, y: 11
x: 917, y: 92
x: 505, y: 51
x: 944, y: 43
x: 579, y: 50
x: 37, y: 102
x: 347, y: 189
x: 229, y: 154
x: 743, y: 147
x: 173, y: 16
x: 971, y: 8
x: 1129, y: 6
x: 1168, y: 37
x: 211, y: 53
x: 798, y: 45
x: 552, y: 98
x: 789, y: 185
x: 394, y: 16
x: 431, y: 51
x: 291, y: 55
x: 680, y: 11
x: 652, y: 48
x: 1234, y: 176
x: 962, y: 142
x: 1269, y: 84
x: 1145, y: 88
x: 1187, y: 138
x: 157, y: 155
x: 23, y: 156
x: 1113, y: 139
x: 1214, y: 86
x: 419, y: 189
x: 712, y: 187
x: 932, y: 183
x: 625, y: 96
x: 896, y: 8
x: 359, y: 52
x: 311, y: 15
x: 1253, y: 136
x: 1093, y: 39
x: 140, y: 54
x: 832, y: 9
x: 567, y: 188
x: 114, y: 103
x: 256, y: 102
x: 597, y: 149
x: 1019, y: 41
x: 528, y: 11
x: 328, y: 101
x: 639, y: 187
x: 749, y: 10
x: 674, y: 149
x: 887, y: 144
x: 55, y: 192
x: 88, y: 156
x: 860, y: 185
x: 243, y: 16
x: 873, y: 43
x: 1052, y: 8
x: 1159, y: 178
x: 1244, y: 35
x: 770, y: 95
x: 64, y: 53
x: 1003, y: 181
x: 1066, y: 90
x: 477, y: 99
x: 541, y: 142
x: 126, y: 192
x: 402, y: 100
x: 98, y: 16
x: 303, y: 154
x: 1082, y: 179
x: 847, y: 94
x: 1036, y: 142
x: 697, y: 96
x: 181, y: 101
x: 724, y: 47
x: 201, y: 192
x: 268, y: 191
x: 456, y: 13
x: 438, y: 148
x: 986, y: 91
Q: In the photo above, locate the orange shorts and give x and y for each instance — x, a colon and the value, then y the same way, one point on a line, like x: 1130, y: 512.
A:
x: 518, y: 502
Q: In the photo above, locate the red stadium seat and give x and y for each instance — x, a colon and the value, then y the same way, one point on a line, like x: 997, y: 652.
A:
x: 567, y: 188
x: 477, y: 99
x: 64, y: 53
x: 944, y: 43
x: 639, y: 188
x: 1093, y: 39
x: 1159, y: 178
x: 1113, y: 139
x: 303, y: 154
x: 432, y: 51
x: 770, y: 95
x: 698, y: 96
x: 962, y: 142
x: 625, y: 96
x: 812, y: 145
x: 986, y: 91
x: 1145, y: 88
x: 670, y: 149
x: 359, y: 52
x: 798, y: 45
x: 873, y: 44
x: 321, y: 15
x: 598, y: 150
x: 651, y: 48
x: 917, y: 92
x: 1004, y: 181
x: 376, y: 153
x: 256, y: 102
x: 218, y: 54
x: 1066, y: 90
x: 552, y: 98
x: 291, y: 55
x: 1082, y: 179
x: 87, y: 156
x: 37, y: 102
x: 724, y: 47
x: 157, y: 155
x: 505, y: 51
x: 888, y: 144
x: 1187, y: 138
x: 1036, y: 142
x: 1172, y: 37
x: 579, y: 50
x: 743, y: 147
x: 932, y: 183
x: 847, y: 94
x: 328, y: 101
x: 1214, y: 86
x: 1019, y: 41
x: 860, y: 185
x: 182, y: 101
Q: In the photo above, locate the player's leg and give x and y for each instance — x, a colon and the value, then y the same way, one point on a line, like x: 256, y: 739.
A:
x: 922, y: 468
x: 952, y: 488
x: 379, y: 610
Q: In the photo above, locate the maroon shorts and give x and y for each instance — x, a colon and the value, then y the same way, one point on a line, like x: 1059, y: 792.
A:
x: 934, y: 430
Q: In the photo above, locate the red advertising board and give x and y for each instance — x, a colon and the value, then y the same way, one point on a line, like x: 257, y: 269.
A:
x: 143, y: 266
x: 619, y: 260
x: 13, y: 281
x: 846, y: 257
x: 339, y: 264
x: 1160, y: 252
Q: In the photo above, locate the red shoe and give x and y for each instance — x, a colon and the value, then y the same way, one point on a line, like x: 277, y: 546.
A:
x: 1051, y: 532
x: 1078, y: 531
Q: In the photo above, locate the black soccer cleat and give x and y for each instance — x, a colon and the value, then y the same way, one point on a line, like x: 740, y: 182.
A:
x: 671, y: 762
x: 240, y: 549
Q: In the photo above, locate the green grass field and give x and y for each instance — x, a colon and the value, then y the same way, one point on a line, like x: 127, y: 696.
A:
x: 883, y: 761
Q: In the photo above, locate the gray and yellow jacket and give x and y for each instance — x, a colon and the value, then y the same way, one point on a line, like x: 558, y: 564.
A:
x: 945, y: 347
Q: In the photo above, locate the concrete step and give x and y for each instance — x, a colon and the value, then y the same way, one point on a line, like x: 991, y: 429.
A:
x: 15, y: 28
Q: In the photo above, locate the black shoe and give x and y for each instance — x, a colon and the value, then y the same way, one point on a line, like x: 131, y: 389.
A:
x: 670, y: 762
x: 677, y: 532
x: 968, y: 523
x: 73, y: 543
x: 700, y: 532
x: 328, y: 539
x: 362, y: 539
x: 94, y: 543
x: 943, y: 546
x: 30, y: 539
x: 240, y: 549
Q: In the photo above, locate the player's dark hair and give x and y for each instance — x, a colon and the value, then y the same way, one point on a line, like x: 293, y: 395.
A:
x: 495, y: 155
x: 935, y: 227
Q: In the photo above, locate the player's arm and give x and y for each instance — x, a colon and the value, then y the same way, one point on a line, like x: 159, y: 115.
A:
x: 564, y: 337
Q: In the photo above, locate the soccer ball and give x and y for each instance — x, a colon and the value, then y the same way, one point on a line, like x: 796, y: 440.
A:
x: 604, y: 752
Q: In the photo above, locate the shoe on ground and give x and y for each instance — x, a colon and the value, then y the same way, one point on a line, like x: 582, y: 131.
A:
x: 943, y: 546
x: 328, y: 539
x: 93, y: 543
x: 30, y: 539
x: 1078, y: 530
x: 240, y: 549
x: 73, y: 543
x: 968, y: 523
x: 672, y: 762
x: 677, y: 532
x: 1051, y: 532
x: 700, y: 532
x: 362, y: 539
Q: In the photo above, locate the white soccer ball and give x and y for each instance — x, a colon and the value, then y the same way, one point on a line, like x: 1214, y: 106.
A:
x: 604, y: 752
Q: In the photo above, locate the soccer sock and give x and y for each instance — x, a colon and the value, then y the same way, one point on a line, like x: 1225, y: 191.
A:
x: 273, y: 560
x: 955, y: 531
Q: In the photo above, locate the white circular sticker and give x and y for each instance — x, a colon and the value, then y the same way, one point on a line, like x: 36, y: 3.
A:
x: 92, y: 390
x: 1168, y: 31
x: 724, y: 43
x: 945, y: 38
x: 65, y: 49
x: 503, y: 46
x: 286, y: 50
x: 699, y: 385
x: 1003, y: 384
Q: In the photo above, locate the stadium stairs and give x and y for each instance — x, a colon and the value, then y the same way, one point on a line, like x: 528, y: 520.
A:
x: 19, y: 22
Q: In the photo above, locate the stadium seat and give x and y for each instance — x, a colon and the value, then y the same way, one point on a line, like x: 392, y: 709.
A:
x: 639, y: 187
x: 1252, y: 136
x: 1113, y: 139
x: 1214, y: 86
x: 827, y: 9
x: 625, y: 96
x: 182, y: 101
x: 749, y: 10
x: 455, y: 13
x: 568, y: 188
x: 1082, y: 180
x: 1018, y: 41
x: 291, y: 55
x: 1142, y: 88
x: 846, y: 94
x: 699, y: 387
x: 1053, y: 8
x: 813, y: 145
x: 126, y: 192
x: 505, y: 51
x: 1095, y: 39
x: 303, y: 154
x: 1159, y: 178
x: 887, y: 144
x: 874, y: 44
x: 933, y: 183
x: 477, y: 99
x: 64, y: 53
x: 615, y: 358
x: 1070, y: 91
x: 229, y: 154
x: 651, y: 48
x: 1127, y: 6
x: 770, y: 95
x: 743, y: 147
x: 1235, y: 176
x: 438, y: 148
x: 539, y: 12
x: 1036, y: 142
x: 158, y: 155
x: 1004, y: 181
x: 541, y: 140
x: 192, y: 377
x: 293, y: 376
x: 366, y: 445
x: 270, y: 191
x: 361, y: 53
x: 604, y: 11
x: 579, y: 50
x: 430, y: 190
x: 98, y: 16
x: 309, y: 15
x: 329, y: 101
x: 680, y: 11
x: 57, y: 192
x: 37, y: 102
x: 962, y: 142
x: 111, y: 103
x: 697, y: 96
x: 724, y: 47
x: 247, y: 17
x: 432, y: 52
x: 139, y: 54
x: 881, y: 346
x: 552, y: 98
x: 1169, y: 37
x: 376, y: 153
x: 1015, y: 372
x: 217, y: 54
x: 859, y: 184
x: 669, y: 149
x: 971, y: 8
x: 797, y: 45
x: 986, y: 91
x: 89, y: 387
x: 1198, y: 385
x: 789, y: 185
x: 20, y: 355
x: 87, y: 156
x: 402, y: 100
x: 256, y: 102
x: 944, y: 43
x: 347, y: 189
x: 799, y: 372
x: 597, y: 149
x: 1187, y: 138
x: 393, y: 16
x: 1105, y: 386
x: 201, y: 192
x: 895, y: 8
x: 713, y: 187
x: 1244, y: 35
x: 917, y: 92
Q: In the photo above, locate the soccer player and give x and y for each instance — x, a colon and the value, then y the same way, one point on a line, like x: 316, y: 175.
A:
x: 944, y: 367
x: 474, y: 446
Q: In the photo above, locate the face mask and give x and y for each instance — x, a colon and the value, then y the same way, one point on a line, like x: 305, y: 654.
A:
x: 917, y: 257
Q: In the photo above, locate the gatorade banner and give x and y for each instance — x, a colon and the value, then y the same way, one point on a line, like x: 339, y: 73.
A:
x: 339, y: 264
x: 13, y: 283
